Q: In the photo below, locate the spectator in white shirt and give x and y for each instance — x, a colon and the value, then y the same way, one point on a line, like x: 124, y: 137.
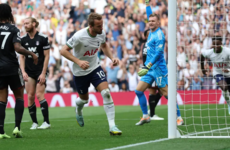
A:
x: 187, y: 73
x: 193, y: 63
x: 132, y: 78
x: 181, y: 57
x: 113, y: 87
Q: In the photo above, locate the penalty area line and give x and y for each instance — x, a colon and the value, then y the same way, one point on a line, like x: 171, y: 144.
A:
x: 137, y: 144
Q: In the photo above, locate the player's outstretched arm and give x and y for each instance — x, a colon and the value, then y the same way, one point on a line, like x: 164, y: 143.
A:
x: 105, y: 48
x: 148, y: 8
x: 21, y: 50
x: 65, y: 52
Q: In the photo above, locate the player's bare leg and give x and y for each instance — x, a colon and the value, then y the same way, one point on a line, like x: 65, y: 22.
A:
x: 154, y: 98
x: 80, y: 102
x: 40, y: 93
x: 18, y: 110
x: 141, y: 87
x: 225, y: 92
x: 3, y: 103
x: 31, y: 89
x: 164, y: 92
x: 103, y: 88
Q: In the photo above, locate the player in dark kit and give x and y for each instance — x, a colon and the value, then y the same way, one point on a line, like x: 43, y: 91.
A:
x: 154, y: 96
x: 35, y: 76
x: 10, y: 73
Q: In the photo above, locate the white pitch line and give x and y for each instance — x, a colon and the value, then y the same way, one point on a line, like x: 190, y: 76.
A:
x: 14, y: 122
x: 137, y: 144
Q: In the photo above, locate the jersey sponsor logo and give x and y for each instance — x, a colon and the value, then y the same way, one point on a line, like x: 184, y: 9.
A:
x: 220, y: 65
x: 90, y: 53
x: 32, y: 49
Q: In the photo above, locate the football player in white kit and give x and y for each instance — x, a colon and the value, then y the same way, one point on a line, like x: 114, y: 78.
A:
x: 220, y: 57
x: 86, y: 67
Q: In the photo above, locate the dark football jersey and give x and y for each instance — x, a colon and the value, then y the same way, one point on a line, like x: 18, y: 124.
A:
x: 36, y: 45
x: 9, y: 34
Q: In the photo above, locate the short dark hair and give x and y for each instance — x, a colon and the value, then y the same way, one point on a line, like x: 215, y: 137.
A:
x: 155, y: 15
x: 146, y: 32
x: 92, y: 17
x: 6, y: 13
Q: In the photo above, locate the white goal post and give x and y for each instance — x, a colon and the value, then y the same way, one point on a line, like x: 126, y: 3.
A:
x: 208, y: 120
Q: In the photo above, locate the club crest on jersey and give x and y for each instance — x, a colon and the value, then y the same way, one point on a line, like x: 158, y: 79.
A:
x: 37, y: 43
x: 90, y: 53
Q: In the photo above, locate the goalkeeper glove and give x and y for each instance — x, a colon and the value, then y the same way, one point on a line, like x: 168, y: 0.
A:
x: 144, y: 70
x: 147, y: 2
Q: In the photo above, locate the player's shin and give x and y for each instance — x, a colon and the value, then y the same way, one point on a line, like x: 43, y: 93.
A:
x: 143, y: 103
x: 108, y: 107
x: 153, y: 101
x: 18, y: 110
x: 178, y: 109
x: 2, y: 116
x: 80, y: 104
x: 45, y: 110
x: 33, y: 113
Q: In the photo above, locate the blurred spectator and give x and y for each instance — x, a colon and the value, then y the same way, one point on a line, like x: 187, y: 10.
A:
x: 207, y: 83
x: 67, y: 75
x: 112, y: 73
x: 113, y: 87
x: 66, y: 88
x: 193, y: 63
x: 122, y: 76
x: 50, y: 84
x: 181, y: 57
x: 132, y: 78
x: 196, y: 83
x: 187, y: 73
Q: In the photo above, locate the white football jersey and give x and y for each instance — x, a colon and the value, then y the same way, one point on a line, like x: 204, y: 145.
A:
x: 85, y: 47
x: 220, y: 60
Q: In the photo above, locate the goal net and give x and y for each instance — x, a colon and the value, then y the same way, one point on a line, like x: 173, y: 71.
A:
x: 204, y: 109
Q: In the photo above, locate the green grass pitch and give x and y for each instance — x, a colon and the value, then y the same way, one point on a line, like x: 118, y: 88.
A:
x: 65, y: 134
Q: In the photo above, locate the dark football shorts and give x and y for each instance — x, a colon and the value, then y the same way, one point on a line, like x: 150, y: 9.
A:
x: 14, y: 81
x: 82, y: 83
x: 35, y: 76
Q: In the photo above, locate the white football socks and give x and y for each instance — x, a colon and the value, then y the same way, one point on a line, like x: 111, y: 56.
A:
x: 79, y: 105
x: 108, y: 107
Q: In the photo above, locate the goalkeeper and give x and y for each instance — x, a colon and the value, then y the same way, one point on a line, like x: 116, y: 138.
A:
x: 155, y: 68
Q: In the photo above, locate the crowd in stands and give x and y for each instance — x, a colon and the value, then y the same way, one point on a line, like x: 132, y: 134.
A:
x: 124, y: 23
x: 198, y: 21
